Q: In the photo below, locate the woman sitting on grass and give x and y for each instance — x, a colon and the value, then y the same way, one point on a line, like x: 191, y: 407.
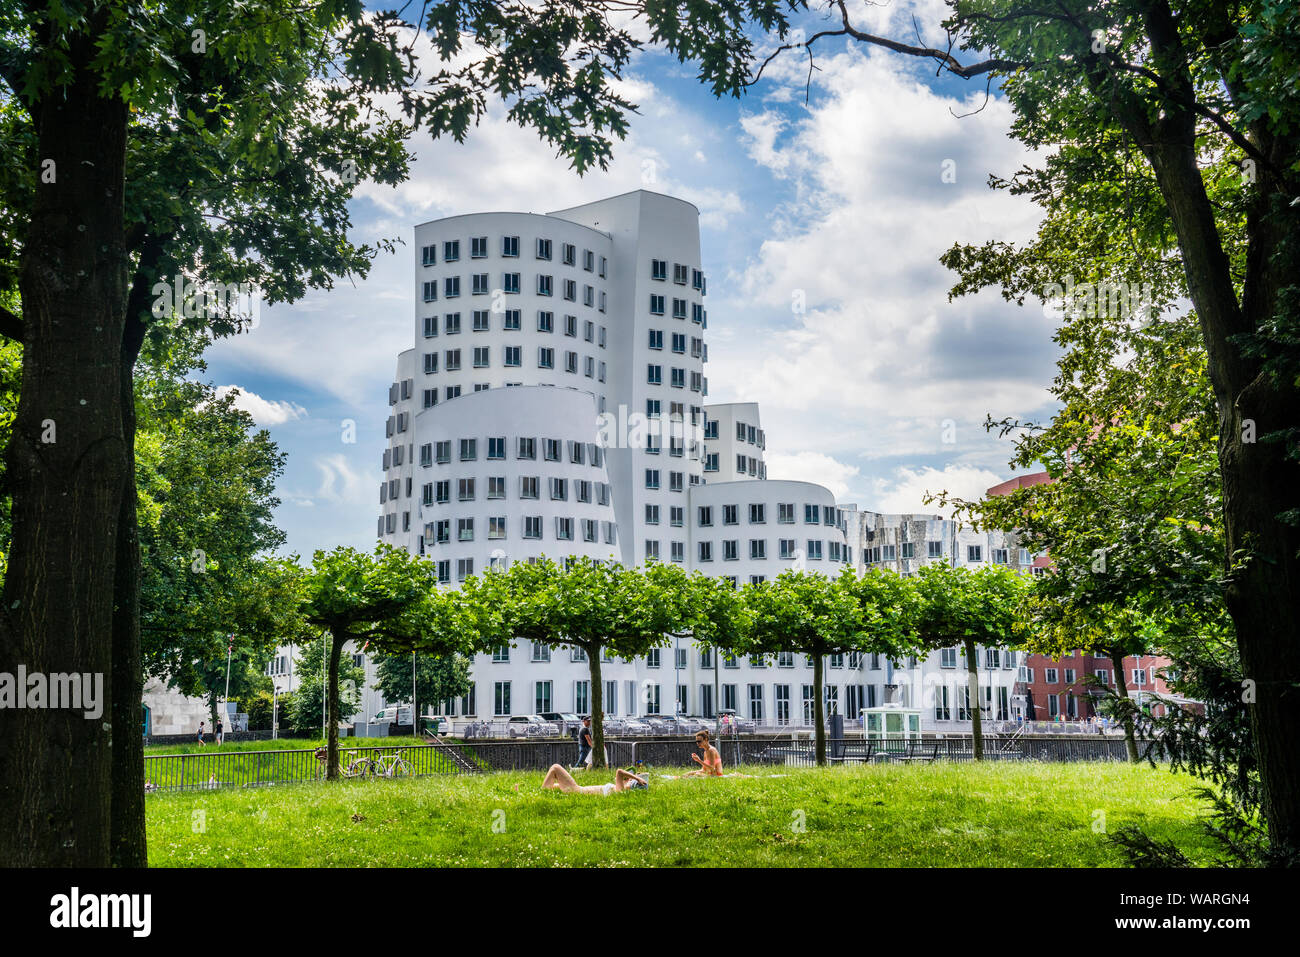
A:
x: 561, y: 780
x: 710, y: 766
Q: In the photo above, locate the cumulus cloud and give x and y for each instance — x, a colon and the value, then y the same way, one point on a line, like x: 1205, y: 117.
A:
x: 341, y: 484
x: 906, y: 491
x: 815, y: 467
x: 265, y: 412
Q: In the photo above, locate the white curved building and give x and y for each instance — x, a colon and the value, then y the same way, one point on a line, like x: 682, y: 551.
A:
x: 553, y: 403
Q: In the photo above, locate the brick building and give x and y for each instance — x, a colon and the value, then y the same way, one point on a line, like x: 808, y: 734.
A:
x: 1059, y: 689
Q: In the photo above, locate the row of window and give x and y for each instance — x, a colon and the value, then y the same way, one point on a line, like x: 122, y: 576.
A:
x: 511, y: 358
x: 787, y: 549
x: 526, y: 448
x: 540, y: 652
x: 678, y: 342
x: 544, y: 248
x: 745, y: 465
x: 744, y: 433
x: 1050, y: 675
x: 785, y: 514
x: 974, y: 553
x: 659, y: 271
x: 439, y: 493
x: 680, y: 308
x: 677, y: 378
x: 511, y: 285
x: 566, y: 529
x: 994, y: 707
x: 647, y: 699
x: 512, y: 321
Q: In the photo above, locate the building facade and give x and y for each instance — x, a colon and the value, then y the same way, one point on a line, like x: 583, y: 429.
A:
x: 554, y: 403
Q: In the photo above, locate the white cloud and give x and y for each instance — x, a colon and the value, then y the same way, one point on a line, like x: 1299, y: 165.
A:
x: 265, y: 412
x: 852, y: 348
x: 905, y: 493
x: 340, y: 484
x: 815, y: 467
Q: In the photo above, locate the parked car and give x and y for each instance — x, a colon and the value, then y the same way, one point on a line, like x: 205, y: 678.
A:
x: 661, y: 724
x: 567, y: 724
x: 530, y: 726
x: 636, y: 726
x: 614, y: 725
x: 698, y: 722
x: 438, y: 724
x: 393, y: 715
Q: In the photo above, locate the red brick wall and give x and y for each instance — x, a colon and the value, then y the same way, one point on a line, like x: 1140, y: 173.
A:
x: 1083, y: 666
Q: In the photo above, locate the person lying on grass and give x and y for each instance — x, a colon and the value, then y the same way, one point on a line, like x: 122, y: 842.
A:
x: 710, y: 766
x: 561, y: 780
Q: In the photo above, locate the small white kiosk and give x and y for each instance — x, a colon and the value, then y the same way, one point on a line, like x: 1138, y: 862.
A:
x: 891, y: 722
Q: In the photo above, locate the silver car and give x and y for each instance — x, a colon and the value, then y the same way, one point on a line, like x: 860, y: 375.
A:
x: 661, y: 724
x: 637, y: 726
x: 613, y: 725
x: 530, y: 726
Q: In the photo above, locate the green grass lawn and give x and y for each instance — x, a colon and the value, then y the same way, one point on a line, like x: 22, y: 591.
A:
x: 989, y: 815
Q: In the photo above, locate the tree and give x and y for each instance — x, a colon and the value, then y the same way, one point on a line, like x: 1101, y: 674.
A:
x: 1132, y: 516
x: 593, y: 605
x: 205, y: 488
x: 173, y: 99
x: 974, y: 609
x: 811, y: 614
x: 307, y: 708
x: 389, y: 598
x: 1184, y: 90
x: 437, y: 678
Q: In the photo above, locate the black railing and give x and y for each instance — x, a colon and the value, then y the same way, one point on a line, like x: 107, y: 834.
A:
x: 224, y: 769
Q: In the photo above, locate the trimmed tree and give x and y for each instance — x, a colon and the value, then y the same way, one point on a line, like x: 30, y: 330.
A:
x: 813, y: 615
x: 596, y: 606
x: 388, y: 598
x: 973, y: 609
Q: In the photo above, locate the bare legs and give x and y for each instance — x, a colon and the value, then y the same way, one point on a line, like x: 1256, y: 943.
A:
x: 559, y: 779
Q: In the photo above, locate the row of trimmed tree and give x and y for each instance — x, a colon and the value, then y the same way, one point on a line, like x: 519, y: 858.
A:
x: 392, y: 600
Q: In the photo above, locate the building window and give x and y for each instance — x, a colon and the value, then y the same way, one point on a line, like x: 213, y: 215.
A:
x: 501, y: 699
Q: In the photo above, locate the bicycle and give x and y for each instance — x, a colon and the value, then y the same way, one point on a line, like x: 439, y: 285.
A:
x: 382, y: 766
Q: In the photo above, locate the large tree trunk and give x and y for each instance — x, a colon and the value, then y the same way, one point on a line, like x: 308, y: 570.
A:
x: 128, y: 827
x: 1126, y: 716
x: 66, y: 459
x: 973, y: 705
x: 332, y: 707
x: 1259, y: 483
x: 819, y: 709
x: 597, y: 710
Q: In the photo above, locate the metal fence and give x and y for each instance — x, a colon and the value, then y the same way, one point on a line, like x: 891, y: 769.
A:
x: 225, y: 769
x: 800, y: 751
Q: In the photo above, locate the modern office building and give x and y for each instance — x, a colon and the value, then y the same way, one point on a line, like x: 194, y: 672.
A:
x: 554, y: 402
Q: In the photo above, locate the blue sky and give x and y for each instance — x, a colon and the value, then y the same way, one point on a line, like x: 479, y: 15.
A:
x: 840, y: 204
